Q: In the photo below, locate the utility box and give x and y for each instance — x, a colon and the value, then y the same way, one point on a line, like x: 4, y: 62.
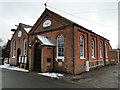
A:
x: 87, y: 65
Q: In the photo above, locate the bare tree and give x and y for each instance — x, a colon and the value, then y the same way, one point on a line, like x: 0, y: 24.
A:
x: 0, y: 47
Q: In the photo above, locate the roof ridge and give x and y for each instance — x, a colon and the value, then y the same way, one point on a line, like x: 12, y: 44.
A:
x: 25, y: 25
x: 74, y: 23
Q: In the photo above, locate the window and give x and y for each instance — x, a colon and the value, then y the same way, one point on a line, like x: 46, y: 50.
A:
x: 60, y: 45
x: 14, y: 48
x: 24, y: 48
x: 100, y: 49
x: 93, y: 49
x: 106, y: 50
x: 81, y: 46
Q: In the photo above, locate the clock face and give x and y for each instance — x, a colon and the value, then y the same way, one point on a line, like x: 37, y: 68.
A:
x: 19, y: 33
x: 47, y: 23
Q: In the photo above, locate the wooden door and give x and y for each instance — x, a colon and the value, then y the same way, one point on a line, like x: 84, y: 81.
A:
x: 37, y: 57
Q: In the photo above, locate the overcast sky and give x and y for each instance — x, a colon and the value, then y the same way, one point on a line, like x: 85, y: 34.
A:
x: 100, y: 16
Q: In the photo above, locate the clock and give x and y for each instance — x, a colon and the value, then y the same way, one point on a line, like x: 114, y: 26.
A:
x: 19, y: 34
x: 47, y: 23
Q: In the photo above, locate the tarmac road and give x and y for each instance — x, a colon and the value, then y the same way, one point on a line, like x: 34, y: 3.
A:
x: 14, y: 79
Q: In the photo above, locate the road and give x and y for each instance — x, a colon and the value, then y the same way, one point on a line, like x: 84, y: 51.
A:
x: 14, y: 79
x: 119, y: 76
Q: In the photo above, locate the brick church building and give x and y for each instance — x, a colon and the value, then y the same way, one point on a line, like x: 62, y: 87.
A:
x: 55, y: 43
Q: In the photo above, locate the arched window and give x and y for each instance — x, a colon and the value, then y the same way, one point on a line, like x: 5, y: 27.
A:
x: 106, y: 50
x: 14, y: 48
x: 60, y: 45
x: 81, y: 46
x: 93, y: 48
x: 100, y: 49
x: 24, y: 49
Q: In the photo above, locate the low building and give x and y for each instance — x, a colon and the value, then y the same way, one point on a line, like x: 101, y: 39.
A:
x: 114, y: 56
x: 19, y: 44
x: 58, y: 44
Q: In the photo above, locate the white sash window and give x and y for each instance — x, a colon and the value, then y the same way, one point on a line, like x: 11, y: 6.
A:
x: 24, y: 49
x: 60, y: 47
x: 14, y: 48
x: 93, y: 48
x: 82, y: 47
x: 100, y: 49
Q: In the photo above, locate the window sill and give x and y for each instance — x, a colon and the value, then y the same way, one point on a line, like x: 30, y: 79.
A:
x: 93, y: 57
x: 82, y: 58
x: 13, y: 57
x: 60, y: 58
x: 101, y: 57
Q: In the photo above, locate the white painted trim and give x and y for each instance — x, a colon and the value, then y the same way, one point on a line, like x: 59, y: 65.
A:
x: 60, y: 58
x: 99, y: 64
x: 93, y: 57
x: 82, y: 58
x: 13, y: 56
x: 101, y: 57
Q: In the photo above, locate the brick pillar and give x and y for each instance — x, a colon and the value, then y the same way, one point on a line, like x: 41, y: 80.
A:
x: 104, y: 56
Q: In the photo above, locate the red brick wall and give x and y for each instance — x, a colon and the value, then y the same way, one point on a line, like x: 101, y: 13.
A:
x: 113, y: 56
x: 19, y: 44
x: 70, y: 42
x: 80, y: 63
x: 68, y: 48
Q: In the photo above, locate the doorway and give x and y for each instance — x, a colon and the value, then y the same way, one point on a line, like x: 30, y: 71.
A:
x: 18, y: 54
x: 37, y: 57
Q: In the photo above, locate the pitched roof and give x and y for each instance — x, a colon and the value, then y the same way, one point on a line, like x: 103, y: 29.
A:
x: 26, y: 27
x: 74, y: 23
x: 45, y: 40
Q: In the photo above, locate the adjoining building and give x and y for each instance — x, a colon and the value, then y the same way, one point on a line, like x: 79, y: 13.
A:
x: 55, y: 43
x: 19, y: 44
x: 114, y: 56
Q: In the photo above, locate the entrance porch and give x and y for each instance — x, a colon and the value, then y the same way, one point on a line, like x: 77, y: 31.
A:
x: 42, y: 55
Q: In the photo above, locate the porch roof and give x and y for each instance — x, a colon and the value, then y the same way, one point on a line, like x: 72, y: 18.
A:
x: 45, y: 40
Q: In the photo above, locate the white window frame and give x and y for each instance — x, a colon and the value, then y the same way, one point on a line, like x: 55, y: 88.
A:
x: 59, y: 57
x: 106, y: 50
x: 14, y: 48
x: 82, y: 57
x: 100, y: 49
x: 93, y: 49
x: 24, y: 47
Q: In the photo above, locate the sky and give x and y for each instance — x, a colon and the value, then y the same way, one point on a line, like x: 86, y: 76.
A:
x: 100, y: 16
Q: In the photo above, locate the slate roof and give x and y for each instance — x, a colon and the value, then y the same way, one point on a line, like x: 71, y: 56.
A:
x: 45, y: 40
x: 74, y: 23
x: 26, y: 27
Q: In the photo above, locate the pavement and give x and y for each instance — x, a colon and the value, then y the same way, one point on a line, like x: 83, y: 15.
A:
x: 105, y: 77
